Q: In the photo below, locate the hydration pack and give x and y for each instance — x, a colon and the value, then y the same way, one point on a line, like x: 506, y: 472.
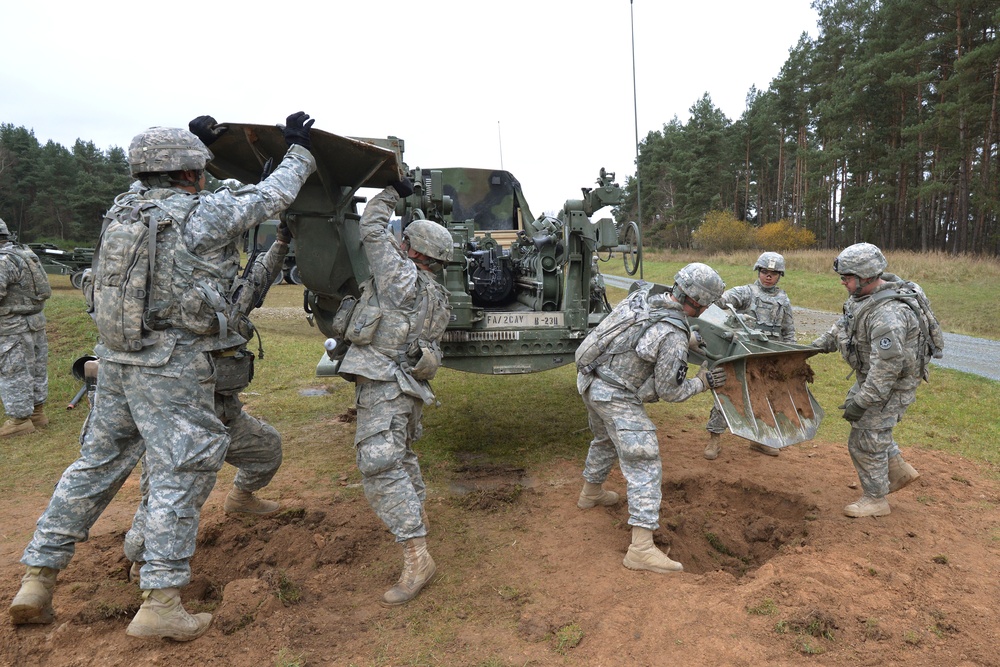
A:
x: 29, y: 296
x: 931, y: 333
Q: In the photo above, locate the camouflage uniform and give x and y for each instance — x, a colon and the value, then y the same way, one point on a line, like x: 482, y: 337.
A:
x: 771, y: 311
x: 24, y: 350
x: 254, y: 445
x: 389, y: 400
x: 657, y: 366
x: 161, y: 399
x: 879, y: 339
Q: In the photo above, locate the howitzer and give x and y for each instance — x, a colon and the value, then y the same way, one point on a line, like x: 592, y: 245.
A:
x: 85, y: 370
x: 766, y: 398
x: 524, y: 291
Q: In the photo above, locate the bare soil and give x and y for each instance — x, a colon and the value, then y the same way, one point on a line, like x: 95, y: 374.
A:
x: 774, y: 573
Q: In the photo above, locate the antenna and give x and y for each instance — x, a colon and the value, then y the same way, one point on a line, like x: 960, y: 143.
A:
x: 500, y: 141
x: 635, y: 112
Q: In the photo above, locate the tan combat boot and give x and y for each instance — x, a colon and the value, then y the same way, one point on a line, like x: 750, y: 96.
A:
x: 901, y: 473
x: 714, y: 446
x: 418, y: 571
x: 162, y: 616
x: 867, y: 506
x: 593, y: 495
x: 245, y: 502
x: 13, y: 427
x: 33, y: 603
x: 643, y: 554
x: 38, y: 417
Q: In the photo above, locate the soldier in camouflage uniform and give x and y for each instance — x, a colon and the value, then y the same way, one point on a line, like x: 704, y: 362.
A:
x: 880, y: 341
x: 254, y: 445
x: 24, y: 350
x: 159, y: 399
x: 769, y: 311
x: 395, y: 332
x: 641, y: 363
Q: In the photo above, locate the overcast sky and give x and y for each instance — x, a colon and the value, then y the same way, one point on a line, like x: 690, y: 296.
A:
x: 543, y: 87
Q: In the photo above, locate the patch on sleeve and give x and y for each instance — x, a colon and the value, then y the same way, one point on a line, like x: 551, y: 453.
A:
x: 682, y: 372
x: 885, y: 343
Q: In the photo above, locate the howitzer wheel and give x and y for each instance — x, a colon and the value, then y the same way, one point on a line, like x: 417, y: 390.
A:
x: 631, y: 248
x: 295, y: 276
x: 76, y: 280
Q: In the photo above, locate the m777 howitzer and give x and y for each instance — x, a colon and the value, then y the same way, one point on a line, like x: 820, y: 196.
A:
x: 766, y: 398
x: 524, y: 291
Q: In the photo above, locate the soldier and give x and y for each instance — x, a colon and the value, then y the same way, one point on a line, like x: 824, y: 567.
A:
x: 24, y: 350
x: 639, y: 355
x: 155, y: 386
x: 879, y: 337
x: 254, y: 445
x: 771, y: 312
x: 394, y: 335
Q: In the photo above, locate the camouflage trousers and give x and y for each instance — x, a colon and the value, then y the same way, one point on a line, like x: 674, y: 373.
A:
x: 623, y: 431
x: 716, y: 421
x: 870, y: 451
x: 388, y: 424
x: 254, y: 450
x: 24, y: 378
x: 168, y: 413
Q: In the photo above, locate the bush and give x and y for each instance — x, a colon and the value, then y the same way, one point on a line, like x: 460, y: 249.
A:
x: 722, y: 232
x: 782, y: 236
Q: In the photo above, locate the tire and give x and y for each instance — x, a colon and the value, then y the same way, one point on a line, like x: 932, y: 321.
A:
x: 294, y: 275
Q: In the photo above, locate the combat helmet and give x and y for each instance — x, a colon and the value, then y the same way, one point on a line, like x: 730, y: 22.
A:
x: 700, y: 282
x: 863, y: 260
x: 166, y: 149
x: 770, y: 261
x: 3, y: 228
x: 430, y: 239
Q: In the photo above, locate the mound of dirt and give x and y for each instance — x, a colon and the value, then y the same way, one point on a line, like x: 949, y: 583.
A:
x: 774, y: 573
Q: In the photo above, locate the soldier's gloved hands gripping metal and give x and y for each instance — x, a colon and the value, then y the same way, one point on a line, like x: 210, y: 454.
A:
x: 696, y: 342
x: 852, y: 411
x: 403, y: 187
x: 283, y: 233
x: 206, y: 129
x: 712, y: 378
x: 296, y: 129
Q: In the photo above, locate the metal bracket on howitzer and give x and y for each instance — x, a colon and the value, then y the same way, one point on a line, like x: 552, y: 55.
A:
x: 765, y: 398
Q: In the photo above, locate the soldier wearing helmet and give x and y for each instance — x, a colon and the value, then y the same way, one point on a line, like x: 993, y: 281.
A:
x: 638, y: 354
x: 394, y: 334
x: 766, y: 307
x: 24, y: 382
x: 157, y: 398
x: 879, y: 337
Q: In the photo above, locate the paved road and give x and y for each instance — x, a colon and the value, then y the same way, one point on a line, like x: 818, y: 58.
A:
x: 979, y: 356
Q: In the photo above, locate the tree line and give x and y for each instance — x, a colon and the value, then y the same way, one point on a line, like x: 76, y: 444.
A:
x: 884, y: 128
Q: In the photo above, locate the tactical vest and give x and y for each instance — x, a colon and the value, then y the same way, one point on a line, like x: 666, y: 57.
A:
x: 617, y: 336
x: 409, y: 337
x: 768, y: 309
x: 857, y: 350
x: 146, y: 280
x: 27, y: 296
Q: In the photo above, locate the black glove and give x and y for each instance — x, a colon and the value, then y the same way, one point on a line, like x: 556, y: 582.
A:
x: 712, y: 378
x: 206, y: 129
x: 403, y: 187
x: 283, y: 233
x: 852, y: 411
x: 296, y: 129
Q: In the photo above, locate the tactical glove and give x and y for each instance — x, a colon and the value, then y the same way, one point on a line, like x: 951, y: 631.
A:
x: 852, y: 411
x: 206, y: 129
x: 283, y: 233
x: 296, y: 129
x: 712, y: 378
x: 404, y: 187
x: 696, y: 342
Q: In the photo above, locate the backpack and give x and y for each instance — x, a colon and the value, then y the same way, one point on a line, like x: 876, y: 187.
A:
x: 621, y: 330
x: 931, y: 333
x: 121, y: 278
x: 34, y: 289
